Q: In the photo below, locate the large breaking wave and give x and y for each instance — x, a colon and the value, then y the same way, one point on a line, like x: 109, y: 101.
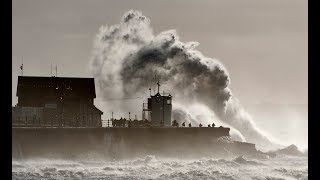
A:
x: 126, y: 56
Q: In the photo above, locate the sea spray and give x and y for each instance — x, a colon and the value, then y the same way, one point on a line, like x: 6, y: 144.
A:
x: 126, y: 56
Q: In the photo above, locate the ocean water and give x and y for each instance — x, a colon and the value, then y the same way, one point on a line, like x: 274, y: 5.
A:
x: 151, y: 167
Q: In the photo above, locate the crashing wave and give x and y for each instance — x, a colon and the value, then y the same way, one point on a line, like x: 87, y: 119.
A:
x: 151, y: 167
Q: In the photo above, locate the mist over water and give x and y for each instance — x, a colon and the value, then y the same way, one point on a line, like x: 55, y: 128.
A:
x: 126, y: 57
x: 151, y: 167
x: 288, y: 123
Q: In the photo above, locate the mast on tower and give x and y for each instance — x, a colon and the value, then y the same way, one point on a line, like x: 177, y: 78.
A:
x: 158, y: 83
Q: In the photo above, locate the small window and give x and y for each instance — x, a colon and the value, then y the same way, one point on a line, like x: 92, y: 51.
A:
x: 169, y: 101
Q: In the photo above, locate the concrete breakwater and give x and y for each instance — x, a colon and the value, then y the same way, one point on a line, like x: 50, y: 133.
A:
x: 112, y: 143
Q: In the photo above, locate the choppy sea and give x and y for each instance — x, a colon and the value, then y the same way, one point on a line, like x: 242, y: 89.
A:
x: 151, y: 167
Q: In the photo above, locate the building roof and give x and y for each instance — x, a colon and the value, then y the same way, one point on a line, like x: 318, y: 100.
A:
x: 36, y: 85
x: 96, y: 109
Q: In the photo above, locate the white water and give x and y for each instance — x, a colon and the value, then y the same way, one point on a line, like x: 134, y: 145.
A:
x: 151, y: 167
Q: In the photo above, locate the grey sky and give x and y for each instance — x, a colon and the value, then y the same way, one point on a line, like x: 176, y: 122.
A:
x: 263, y: 44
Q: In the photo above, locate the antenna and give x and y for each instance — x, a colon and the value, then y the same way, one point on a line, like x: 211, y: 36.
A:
x: 143, y: 116
x: 51, y: 70
x: 21, y: 67
x: 155, y: 82
x: 158, y: 83
x: 56, y: 70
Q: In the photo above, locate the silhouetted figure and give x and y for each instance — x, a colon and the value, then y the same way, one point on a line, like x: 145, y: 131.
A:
x: 200, y: 125
x: 175, y: 123
x: 209, y: 125
x: 213, y: 125
x: 184, y: 124
x: 189, y: 124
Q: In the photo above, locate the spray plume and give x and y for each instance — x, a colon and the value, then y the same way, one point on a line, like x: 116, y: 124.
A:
x: 126, y: 57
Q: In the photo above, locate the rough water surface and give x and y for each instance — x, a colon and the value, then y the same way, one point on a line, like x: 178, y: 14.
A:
x: 151, y: 167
